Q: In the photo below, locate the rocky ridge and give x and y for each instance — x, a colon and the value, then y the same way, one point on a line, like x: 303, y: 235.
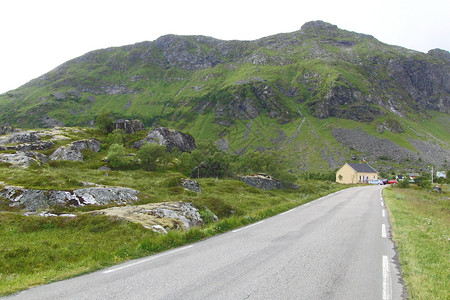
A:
x: 33, y: 200
x: 169, y: 138
x: 160, y: 217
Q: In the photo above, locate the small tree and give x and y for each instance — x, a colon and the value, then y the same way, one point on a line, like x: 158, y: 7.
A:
x: 118, y: 136
x: 116, y: 157
x: 105, y: 122
x: 149, y: 155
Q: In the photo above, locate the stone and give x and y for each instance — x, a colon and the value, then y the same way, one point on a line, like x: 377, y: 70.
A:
x: 23, y: 159
x: 169, y: 138
x: 7, y: 129
x: 104, y: 168
x: 158, y: 229
x: 34, y: 200
x: 129, y: 127
x: 38, y: 145
x: 261, y: 181
x: 159, y: 217
x: 437, y: 189
x: 72, y: 151
x: 20, y: 137
x: 191, y: 185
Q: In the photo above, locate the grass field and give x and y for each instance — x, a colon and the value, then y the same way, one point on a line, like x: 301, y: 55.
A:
x: 37, y: 250
x: 421, y: 221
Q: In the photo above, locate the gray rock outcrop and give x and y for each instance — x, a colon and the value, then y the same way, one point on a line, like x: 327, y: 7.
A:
x: 266, y: 182
x: 38, y: 145
x: 23, y: 159
x: 128, y: 126
x: 159, y: 217
x: 20, y: 137
x: 169, y: 138
x: 191, y: 185
x: 437, y: 188
x: 7, y: 129
x: 261, y: 181
x: 73, y: 152
x: 33, y: 200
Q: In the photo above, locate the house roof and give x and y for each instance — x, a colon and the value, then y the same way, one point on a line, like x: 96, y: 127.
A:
x: 362, y: 168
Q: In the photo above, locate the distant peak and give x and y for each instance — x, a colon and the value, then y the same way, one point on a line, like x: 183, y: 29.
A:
x: 440, y: 54
x: 318, y: 25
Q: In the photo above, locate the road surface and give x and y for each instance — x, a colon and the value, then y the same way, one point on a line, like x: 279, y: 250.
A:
x: 336, y: 247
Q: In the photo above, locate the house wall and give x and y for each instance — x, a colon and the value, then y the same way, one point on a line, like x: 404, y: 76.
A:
x: 346, y: 175
x: 364, y: 177
x: 350, y: 176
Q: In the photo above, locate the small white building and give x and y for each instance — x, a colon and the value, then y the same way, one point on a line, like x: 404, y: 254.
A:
x: 441, y: 174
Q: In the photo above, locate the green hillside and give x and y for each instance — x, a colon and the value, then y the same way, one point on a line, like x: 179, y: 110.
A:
x: 287, y: 92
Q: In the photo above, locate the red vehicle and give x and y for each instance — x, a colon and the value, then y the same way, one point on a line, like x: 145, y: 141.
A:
x: 392, y: 181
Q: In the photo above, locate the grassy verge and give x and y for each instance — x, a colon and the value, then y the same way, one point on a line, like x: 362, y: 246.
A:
x: 420, y: 221
x: 37, y: 250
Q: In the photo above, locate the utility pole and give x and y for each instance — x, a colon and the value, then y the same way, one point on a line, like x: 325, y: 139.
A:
x: 432, y: 175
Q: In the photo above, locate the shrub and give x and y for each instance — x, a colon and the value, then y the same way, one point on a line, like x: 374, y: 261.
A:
x: 116, y: 157
x: 116, y: 137
x: 149, y: 155
x: 105, y: 122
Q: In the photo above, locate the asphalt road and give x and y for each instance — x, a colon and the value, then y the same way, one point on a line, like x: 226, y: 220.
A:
x: 336, y: 247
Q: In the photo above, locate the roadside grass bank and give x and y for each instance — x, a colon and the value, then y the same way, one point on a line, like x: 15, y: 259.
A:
x: 37, y: 250
x: 421, y: 230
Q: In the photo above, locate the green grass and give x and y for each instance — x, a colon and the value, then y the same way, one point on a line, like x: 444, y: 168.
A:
x: 420, y: 222
x: 38, y: 250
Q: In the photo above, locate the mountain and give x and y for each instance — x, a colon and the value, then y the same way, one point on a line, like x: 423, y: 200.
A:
x: 321, y: 95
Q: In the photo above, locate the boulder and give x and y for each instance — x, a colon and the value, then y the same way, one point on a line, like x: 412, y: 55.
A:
x: 129, y: 127
x: 159, y: 217
x: 72, y: 151
x: 20, y: 137
x: 38, y: 145
x: 34, y: 200
x: 169, y: 138
x: 261, y: 181
x: 23, y: 159
x: 7, y: 129
x: 191, y: 185
x: 437, y: 189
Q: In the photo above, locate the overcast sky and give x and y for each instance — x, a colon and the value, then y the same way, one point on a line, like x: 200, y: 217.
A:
x: 38, y: 35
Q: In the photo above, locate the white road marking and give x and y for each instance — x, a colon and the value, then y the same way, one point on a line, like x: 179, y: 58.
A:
x: 387, y: 283
x: 383, y: 231
x: 147, y: 259
x: 382, y: 203
x: 286, y: 212
x: 383, y: 213
x: 251, y: 225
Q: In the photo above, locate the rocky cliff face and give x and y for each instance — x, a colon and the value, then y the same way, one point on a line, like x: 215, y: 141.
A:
x: 33, y: 200
x: 338, y: 73
x: 169, y: 138
x: 217, y: 89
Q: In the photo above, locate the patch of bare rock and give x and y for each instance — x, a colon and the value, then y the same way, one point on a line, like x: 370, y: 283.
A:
x: 159, y: 217
x: 34, y: 200
x: 169, y: 138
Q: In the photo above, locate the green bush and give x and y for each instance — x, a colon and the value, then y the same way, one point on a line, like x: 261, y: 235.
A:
x: 117, y: 158
x: 118, y: 136
x: 104, y: 122
x: 149, y: 155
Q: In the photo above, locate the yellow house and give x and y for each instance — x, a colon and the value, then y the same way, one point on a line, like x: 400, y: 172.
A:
x: 356, y: 173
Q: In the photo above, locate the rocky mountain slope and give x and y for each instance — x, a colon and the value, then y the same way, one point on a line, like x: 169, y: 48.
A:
x: 287, y: 92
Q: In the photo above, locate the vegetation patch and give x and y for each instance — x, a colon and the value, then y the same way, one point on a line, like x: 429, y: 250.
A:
x: 420, y: 222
